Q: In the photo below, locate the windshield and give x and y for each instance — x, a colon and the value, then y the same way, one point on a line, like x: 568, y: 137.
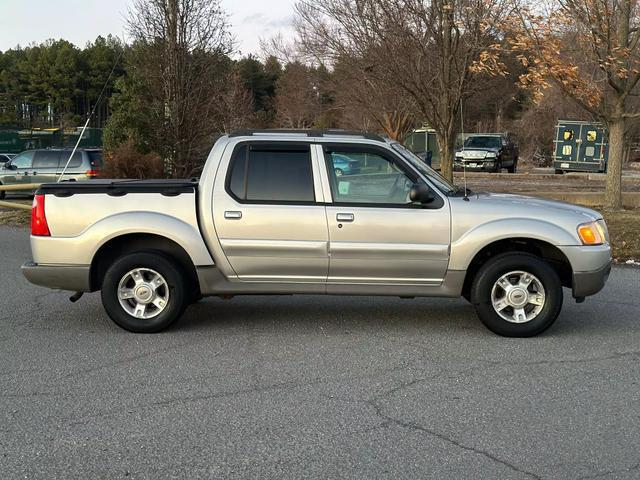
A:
x: 443, y: 185
x: 483, y: 142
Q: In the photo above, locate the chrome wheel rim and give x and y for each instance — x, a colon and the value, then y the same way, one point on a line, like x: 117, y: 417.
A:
x: 338, y: 172
x: 143, y: 293
x: 518, y: 296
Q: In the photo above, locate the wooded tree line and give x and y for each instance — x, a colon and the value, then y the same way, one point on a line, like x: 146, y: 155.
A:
x: 379, y: 65
x: 56, y: 83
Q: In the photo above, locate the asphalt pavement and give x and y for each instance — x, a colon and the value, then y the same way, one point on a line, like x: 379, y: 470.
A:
x: 315, y: 387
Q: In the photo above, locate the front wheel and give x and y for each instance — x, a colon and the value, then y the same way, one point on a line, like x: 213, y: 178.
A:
x: 339, y: 172
x: 2, y: 193
x: 144, y: 292
x: 517, y: 295
x: 513, y: 167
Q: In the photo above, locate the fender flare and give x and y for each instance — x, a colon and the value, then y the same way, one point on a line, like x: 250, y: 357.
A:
x: 465, y: 248
x: 114, y: 226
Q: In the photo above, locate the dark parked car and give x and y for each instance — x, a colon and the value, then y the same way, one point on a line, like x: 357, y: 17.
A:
x: 487, y: 152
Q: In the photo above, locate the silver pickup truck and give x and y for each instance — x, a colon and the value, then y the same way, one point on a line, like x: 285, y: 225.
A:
x: 313, y: 212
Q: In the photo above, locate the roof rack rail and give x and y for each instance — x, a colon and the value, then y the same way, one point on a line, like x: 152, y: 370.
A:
x: 306, y: 131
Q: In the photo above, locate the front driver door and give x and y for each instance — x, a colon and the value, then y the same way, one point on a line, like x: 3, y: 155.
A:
x: 18, y: 171
x: 376, y: 234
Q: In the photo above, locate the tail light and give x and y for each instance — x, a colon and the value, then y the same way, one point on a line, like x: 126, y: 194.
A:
x: 39, y: 225
x: 92, y: 173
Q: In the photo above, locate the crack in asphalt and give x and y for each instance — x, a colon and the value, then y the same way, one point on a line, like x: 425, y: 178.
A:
x: 391, y: 420
x: 232, y: 393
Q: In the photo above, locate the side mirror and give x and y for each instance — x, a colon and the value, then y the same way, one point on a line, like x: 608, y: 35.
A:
x: 421, y: 193
x: 9, y: 166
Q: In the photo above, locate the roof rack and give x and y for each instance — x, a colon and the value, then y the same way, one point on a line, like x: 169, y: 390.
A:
x: 245, y: 132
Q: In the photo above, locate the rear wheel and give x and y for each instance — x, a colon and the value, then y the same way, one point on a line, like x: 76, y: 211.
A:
x: 144, y: 292
x: 559, y: 172
x: 517, y: 295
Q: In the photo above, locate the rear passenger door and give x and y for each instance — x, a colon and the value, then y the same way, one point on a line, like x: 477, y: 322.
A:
x: 45, y: 166
x: 269, y: 214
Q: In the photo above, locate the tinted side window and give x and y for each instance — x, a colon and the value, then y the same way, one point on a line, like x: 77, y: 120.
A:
x: 269, y: 175
x: 95, y: 158
x: 23, y: 160
x: 46, y: 159
x: 75, y: 162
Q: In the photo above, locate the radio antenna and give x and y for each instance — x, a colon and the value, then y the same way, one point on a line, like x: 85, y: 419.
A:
x: 86, y: 124
x: 464, y: 163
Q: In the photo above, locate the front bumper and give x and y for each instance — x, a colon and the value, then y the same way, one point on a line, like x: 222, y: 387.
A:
x: 591, y: 266
x: 477, y: 166
x: 62, y: 277
x: 590, y: 283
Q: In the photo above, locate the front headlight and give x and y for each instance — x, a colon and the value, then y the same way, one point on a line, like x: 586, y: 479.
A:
x: 593, y: 233
x: 459, y: 155
x: 602, y: 227
x: 490, y: 155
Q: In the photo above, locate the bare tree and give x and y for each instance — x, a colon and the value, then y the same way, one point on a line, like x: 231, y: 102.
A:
x: 181, y: 47
x: 427, y: 49
x: 589, y: 50
x: 235, y: 106
x: 369, y: 102
x: 297, y: 97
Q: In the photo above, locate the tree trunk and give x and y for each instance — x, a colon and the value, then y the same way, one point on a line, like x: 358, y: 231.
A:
x: 446, y: 145
x: 613, y: 186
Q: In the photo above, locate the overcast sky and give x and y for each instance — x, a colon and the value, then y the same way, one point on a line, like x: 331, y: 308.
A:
x: 25, y: 21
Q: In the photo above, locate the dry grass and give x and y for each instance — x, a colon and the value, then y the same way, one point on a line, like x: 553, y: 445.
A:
x: 15, y: 218
x: 624, y: 230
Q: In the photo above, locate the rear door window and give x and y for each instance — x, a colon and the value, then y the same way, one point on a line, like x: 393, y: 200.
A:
x: 75, y: 162
x: 263, y: 174
x: 46, y: 159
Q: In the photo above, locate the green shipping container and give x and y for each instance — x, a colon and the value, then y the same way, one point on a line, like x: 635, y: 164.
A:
x: 580, y: 146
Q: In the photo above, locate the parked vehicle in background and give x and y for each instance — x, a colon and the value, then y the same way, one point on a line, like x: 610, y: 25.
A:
x: 5, y: 157
x: 489, y: 152
x: 580, y: 146
x: 344, y: 165
x: 270, y: 215
x: 43, y: 166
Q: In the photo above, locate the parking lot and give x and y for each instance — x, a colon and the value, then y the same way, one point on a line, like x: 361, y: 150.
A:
x: 329, y: 387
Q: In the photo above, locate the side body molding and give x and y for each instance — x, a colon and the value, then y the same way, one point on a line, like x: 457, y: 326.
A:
x: 466, y: 246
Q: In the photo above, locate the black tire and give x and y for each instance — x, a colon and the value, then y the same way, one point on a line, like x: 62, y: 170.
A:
x: 500, y: 265
x: 2, y: 193
x: 559, y: 172
x: 498, y: 167
x: 178, y: 297
x: 513, y: 167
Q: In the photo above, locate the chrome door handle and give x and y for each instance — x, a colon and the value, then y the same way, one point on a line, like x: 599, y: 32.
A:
x: 345, y: 217
x: 232, y: 215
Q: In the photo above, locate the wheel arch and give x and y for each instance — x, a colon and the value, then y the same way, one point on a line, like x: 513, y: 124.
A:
x: 137, y: 242
x: 540, y: 248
